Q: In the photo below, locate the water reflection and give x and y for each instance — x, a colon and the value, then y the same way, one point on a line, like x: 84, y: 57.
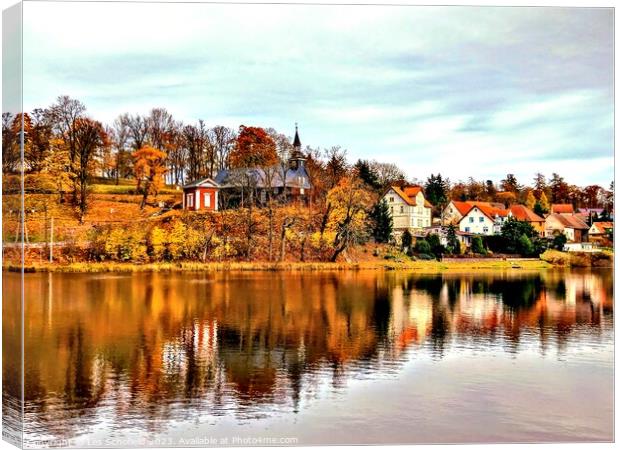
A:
x: 135, y: 352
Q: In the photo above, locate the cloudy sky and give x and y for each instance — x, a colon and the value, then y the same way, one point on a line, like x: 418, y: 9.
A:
x: 459, y: 90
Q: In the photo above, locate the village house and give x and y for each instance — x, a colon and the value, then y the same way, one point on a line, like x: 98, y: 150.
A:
x: 409, y: 208
x: 571, y: 226
x: 600, y: 232
x: 455, y: 210
x: 481, y: 218
x: 201, y: 195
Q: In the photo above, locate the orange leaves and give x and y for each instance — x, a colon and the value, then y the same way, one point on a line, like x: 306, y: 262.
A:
x: 254, y: 148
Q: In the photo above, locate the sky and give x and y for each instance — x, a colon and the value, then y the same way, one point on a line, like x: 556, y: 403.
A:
x: 464, y: 91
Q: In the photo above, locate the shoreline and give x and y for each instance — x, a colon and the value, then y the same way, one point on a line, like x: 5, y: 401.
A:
x: 422, y: 266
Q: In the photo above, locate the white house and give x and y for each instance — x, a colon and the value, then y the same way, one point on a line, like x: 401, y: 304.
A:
x: 408, y: 207
x: 481, y: 219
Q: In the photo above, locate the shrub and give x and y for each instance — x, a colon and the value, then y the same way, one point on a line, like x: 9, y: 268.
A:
x: 556, y: 258
x: 422, y: 246
x: 476, y: 246
x: 406, y: 240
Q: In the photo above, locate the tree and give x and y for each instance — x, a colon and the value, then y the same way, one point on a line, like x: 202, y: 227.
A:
x: 538, y: 209
x: 530, y: 200
x: 435, y: 243
x: 510, y: 184
x: 88, y: 138
x: 422, y: 247
x: 525, y: 246
x: 367, y: 174
x: 223, y: 141
x: 336, y: 167
x: 436, y: 190
x: 254, y: 148
x: 387, y: 173
x: 512, y: 230
x: 149, y: 170
x: 544, y: 203
x: 477, y: 246
x: 454, y: 246
x: 406, y: 240
x: 559, y: 240
x: 196, y: 141
x: 381, y: 222
x: 350, y: 200
x: 559, y: 189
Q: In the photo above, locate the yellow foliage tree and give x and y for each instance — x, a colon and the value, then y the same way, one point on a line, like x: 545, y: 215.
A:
x: 544, y: 203
x: 530, y: 200
x: 149, y: 169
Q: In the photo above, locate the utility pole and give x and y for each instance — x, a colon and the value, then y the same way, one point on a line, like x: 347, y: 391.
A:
x: 52, y: 239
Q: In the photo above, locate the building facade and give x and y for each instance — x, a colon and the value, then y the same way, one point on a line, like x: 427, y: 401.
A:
x: 409, y: 208
x: 201, y: 195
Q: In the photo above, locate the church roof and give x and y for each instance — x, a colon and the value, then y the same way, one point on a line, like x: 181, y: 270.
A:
x: 296, y: 141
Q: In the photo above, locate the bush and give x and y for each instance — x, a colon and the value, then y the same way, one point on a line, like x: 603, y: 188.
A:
x: 422, y: 246
x: 406, y: 240
x: 559, y: 240
x: 525, y: 246
x: 476, y: 246
x: 556, y: 258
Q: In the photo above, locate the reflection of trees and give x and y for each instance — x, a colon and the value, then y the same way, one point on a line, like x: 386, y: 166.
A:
x: 152, y: 343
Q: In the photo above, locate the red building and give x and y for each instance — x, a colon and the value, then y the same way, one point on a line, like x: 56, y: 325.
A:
x: 201, y: 195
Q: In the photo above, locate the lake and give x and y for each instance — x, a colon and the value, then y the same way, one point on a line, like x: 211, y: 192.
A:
x: 303, y: 358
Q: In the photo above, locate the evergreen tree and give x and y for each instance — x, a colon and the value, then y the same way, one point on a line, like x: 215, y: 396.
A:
x: 538, y: 209
x: 381, y: 222
x: 367, y: 174
x: 476, y: 245
x: 454, y: 246
x: 406, y: 240
x: 436, y: 190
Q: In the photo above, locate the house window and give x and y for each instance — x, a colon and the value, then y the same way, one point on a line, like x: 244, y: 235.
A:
x: 420, y: 223
x: 392, y: 209
x: 485, y: 229
x: 481, y: 219
x: 391, y: 199
x: 207, y: 200
x: 402, y: 209
x: 190, y: 200
x: 301, y: 191
x: 471, y: 220
x: 467, y: 229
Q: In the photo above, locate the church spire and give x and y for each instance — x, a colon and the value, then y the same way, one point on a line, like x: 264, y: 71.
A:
x: 296, y: 141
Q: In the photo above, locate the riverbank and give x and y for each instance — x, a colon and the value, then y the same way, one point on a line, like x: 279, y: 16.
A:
x: 431, y: 266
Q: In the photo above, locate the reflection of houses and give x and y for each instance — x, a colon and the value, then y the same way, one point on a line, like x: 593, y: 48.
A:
x: 259, y: 184
x: 409, y: 208
x: 571, y: 226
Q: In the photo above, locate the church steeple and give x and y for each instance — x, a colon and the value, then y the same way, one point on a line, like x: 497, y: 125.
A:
x: 297, y: 141
x: 297, y: 158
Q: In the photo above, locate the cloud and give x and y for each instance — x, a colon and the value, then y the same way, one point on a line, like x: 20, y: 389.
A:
x: 457, y: 90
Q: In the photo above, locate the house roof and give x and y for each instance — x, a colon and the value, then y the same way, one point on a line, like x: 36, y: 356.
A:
x: 488, y: 210
x: 408, y: 194
x: 521, y: 212
x: 464, y: 207
x: 261, y: 178
x: 602, y: 227
x: 569, y: 221
x: 201, y: 182
x: 562, y: 208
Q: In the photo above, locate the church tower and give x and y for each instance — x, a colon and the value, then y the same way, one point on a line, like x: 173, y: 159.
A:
x: 297, y: 159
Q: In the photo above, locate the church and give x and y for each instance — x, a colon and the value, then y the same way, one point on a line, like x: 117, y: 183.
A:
x: 285, y: 182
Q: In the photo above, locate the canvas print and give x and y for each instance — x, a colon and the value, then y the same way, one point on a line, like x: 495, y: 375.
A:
x: 233, y: 225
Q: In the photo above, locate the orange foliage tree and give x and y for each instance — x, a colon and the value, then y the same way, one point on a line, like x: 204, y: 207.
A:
x: 149, y: 170
x: 254, y: 148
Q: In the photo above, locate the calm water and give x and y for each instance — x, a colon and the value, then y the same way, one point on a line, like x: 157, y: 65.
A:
x: 317, y: 358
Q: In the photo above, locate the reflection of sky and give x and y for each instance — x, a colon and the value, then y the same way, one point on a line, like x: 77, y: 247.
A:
x: 428, y: 88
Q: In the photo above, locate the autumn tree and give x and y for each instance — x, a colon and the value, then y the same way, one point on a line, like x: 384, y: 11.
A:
x: 253, y: 148
x: 223, y: 140
x: 88, y: 138
x: 510, y: 184
x: 388, y: 173
x: 350, y: 200
x: 559, y: 189
x: 530, y: 200
x: 336, y: 166
x: 365, y: 172
x: 149, y: 170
